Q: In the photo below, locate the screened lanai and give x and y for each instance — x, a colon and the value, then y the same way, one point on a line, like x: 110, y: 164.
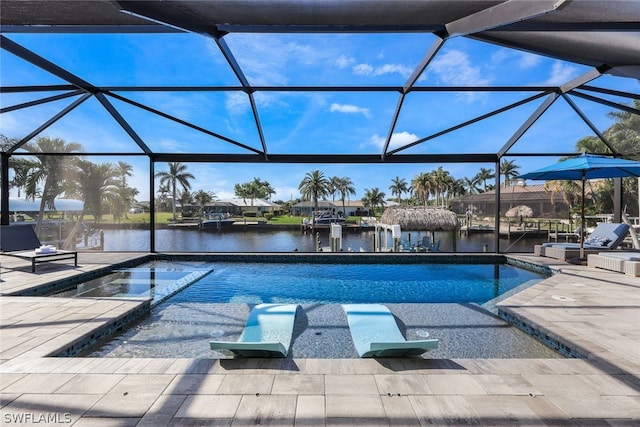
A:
x: 372, y: 90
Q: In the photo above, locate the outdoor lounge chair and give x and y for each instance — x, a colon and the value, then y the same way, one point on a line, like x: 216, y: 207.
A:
x: 375, y: 333
x: 267, y: 333
x: 21, y: 241
x: 621, y: 262
x: 606, y: 236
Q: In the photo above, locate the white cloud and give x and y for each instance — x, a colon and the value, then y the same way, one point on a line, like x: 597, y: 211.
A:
x: 528, y: 60
x: 237, y: 102
x: 561, y: 73
x: 349, y: 109
x: 269, y: 59
x: 171, y: 145
x: 369, y: 70
x: 344, y: 61
x: 397, y: 140
x: 523, y: 60
x: 363, y: 69
x: 454, y: 68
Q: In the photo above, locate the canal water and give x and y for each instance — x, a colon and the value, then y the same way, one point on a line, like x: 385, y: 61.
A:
x: 288, y: 240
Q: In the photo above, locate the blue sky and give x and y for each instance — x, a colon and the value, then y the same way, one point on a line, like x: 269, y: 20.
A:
x: 300, y: 122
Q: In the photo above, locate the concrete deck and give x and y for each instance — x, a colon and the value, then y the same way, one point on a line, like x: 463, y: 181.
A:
x: 592, y: 311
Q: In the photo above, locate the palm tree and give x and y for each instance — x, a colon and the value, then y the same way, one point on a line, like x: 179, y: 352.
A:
x: 345, y: 187
x: 483, y: 175
x: 571, y: 192
x: 459, y: 187
x: 50, y: 171
x: 186, y: 199
x: 374, y: 198
x: 398, y: 186
x: 442, y: 183
x: 203, y: 197
x: 470, y: 185
x: 334, y: 183
x: 127, y: 194
x: 624, y: 136
x: 266, y: 190
x: 177, y: 174
x: 312, y: 187
x: 97, y: 185
x: 163, y: 195
x: 421, y: 186
x: 509, y: 169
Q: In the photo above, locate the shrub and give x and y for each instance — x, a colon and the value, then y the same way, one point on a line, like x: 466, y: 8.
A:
x: 268, y: 216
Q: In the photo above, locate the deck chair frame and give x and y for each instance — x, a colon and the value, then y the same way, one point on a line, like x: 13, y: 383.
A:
x: 21, y: 241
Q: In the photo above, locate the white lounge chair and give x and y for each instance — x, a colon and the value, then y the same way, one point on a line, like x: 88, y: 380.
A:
x: 267, y: 332
x: 606, y: 236
x: 621, y: 262
x: 375, y: 333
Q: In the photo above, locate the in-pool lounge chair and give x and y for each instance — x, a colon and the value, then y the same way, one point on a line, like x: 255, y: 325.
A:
x: 375, y: 333
x: 267, y: 333
x: 21, y: 241
x: 606, y: 236
x: 622, y: 262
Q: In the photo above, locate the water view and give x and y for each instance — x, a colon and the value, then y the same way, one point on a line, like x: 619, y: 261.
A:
x: 181, y: 240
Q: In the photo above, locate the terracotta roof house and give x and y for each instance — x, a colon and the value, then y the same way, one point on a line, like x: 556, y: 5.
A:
x: 542, y: 201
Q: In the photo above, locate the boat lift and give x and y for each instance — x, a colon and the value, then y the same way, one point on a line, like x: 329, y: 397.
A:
x: 381, y: 243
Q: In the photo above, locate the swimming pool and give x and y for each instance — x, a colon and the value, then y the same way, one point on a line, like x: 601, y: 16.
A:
x: 258, y: 282
x: 442, y: 301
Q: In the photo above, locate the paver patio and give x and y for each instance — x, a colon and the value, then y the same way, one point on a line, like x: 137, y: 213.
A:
x: 592, y: 311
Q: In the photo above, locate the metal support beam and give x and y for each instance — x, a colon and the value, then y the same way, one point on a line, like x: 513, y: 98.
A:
x: 4, y: 189
x: 467, y: 123
x: 496, y: 216
x: 392, y: 126
x: 49, y: 122
x: 152, y: 205
x: 182, y: 122
x: 325, y: 158
x: 422, y: 65
x: 29, y: 56
x: 256, y: 118
x: 428, y: 57
x: 530, y: 121
x: 589, y: 123
x: 582, y: 79
x: 41, y: 101
x: 617, y: 200
x: 611, y: 92
x: 615, y: 105
x: 122, y: 122
x: 231, y: 60
x: 502, y: 14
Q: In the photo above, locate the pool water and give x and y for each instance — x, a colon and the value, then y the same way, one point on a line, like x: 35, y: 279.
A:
x: 355, y: 283
x: 444, y: 301
x: 178, y: 330
x: 155, y: 281
x: 257, y: 283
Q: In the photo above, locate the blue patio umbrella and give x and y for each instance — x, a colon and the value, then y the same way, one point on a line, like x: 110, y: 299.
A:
x: 583, y: 167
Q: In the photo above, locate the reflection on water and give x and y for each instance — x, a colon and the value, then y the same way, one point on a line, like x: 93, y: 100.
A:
x: 193, y: 240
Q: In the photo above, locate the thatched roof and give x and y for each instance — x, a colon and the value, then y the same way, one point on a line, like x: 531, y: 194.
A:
x: 421, y: 218
x: 520, y: 210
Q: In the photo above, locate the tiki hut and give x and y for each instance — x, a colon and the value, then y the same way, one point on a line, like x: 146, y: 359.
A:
x: 421, y: 218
